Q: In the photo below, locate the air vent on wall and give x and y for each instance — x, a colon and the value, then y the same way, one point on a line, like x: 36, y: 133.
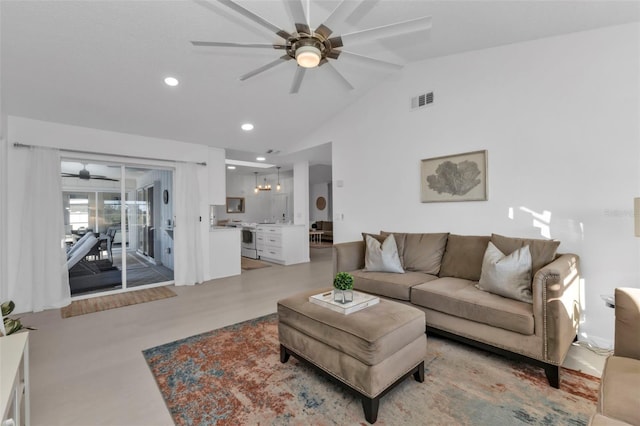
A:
x: 422, y: 100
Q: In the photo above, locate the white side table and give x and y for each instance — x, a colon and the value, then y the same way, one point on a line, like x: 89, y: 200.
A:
x: 316, y: 236
x: 14, y: 380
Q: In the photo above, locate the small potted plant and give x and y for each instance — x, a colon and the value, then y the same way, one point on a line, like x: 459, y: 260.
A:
x: 343, y: 287
x: 9, y: 325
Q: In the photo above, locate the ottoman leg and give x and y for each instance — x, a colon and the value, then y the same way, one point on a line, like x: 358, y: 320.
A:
x: 419, y: 373
x: 284, y: 355
x: 370, y: 406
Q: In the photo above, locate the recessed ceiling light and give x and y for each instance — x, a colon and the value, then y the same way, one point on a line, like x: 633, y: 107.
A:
x: 260, y: 158
x: 247, y: 127
x: 171, y: 81
x: 231, y: 167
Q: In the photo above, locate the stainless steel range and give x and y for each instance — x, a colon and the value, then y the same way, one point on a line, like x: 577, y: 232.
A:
x: 249, y: 248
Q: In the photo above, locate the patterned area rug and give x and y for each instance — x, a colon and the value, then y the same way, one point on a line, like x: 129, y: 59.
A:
x: 233, y: 376
x: 102, y: 303
x: 249, y: 264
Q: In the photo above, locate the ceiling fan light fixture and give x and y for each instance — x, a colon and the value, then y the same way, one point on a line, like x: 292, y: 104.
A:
x: 171, y: 81
x: 308, y: 56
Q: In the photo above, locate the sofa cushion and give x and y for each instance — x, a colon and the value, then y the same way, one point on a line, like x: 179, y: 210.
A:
x: 600, y: 420
x: 507, y: 275
x: 619, y: 396
x: 396, y: 286
x: 376, y: 236
x: 460, y: 298
x: 382, y: 257
x: 421, y: 252
x: 463, y: 256
x: 543, y: 252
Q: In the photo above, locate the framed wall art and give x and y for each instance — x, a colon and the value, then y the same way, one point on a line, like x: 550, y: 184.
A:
x: 460, y: 177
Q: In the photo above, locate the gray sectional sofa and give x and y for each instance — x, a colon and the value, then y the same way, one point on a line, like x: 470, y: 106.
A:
x: 441, y: 273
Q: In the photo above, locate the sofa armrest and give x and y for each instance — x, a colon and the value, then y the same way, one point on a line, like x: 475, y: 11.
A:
x: 627, y: 328
x: 348, y: 256
x: 557, y: 286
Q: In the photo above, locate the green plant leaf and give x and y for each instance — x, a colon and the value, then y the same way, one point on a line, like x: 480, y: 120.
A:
x: 343, y: 281
x: 11, y: 326
x: 7, y: 307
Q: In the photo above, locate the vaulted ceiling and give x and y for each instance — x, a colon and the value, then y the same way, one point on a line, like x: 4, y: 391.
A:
x: 101, y: 64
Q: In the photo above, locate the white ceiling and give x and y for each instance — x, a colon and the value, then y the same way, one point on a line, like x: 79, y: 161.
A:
x: 101, y: 64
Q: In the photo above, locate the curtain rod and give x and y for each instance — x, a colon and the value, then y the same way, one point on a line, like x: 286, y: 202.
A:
x: 76, y: 151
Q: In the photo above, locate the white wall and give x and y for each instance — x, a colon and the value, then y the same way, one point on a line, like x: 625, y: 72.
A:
x: 315, y: 191
x: 320, y: 186
x: 301, y: 193
x: 35, y: 132
x: 559, y: 118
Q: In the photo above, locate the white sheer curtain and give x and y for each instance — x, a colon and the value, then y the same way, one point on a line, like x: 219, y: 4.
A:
x: 187, y: 232
x: 42, y: 276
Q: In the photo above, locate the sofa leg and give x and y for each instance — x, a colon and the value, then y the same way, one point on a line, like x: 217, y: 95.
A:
x: 418, y: 375
x: 370, y: 406
x: 284, y: 355
x: 553, y: 375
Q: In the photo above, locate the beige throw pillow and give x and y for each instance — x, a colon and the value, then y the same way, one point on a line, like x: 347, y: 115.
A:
x: 542, y: 252
x: 508, y: 276
x: 382, y: 257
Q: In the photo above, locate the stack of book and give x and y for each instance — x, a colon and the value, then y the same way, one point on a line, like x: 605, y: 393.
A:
x: 360, y: 301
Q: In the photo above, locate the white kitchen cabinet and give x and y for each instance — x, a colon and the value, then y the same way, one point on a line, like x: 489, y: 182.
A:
x: 14, y: 379
x: 224, y: 252
x: 283, y: 244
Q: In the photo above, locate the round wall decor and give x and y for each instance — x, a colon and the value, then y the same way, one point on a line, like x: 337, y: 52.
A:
x: 165, y: 196
x: 321, y: 203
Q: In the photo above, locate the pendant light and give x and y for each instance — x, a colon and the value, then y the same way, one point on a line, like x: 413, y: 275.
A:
x: 278, y: 187
x: 265, y: 187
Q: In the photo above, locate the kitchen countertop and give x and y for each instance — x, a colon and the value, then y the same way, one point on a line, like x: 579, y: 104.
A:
x: 223, y: 228
x: 277, y: 224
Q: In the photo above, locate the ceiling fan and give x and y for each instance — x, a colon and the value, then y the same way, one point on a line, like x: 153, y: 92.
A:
x: 314, y: 48
x: 85, y: 175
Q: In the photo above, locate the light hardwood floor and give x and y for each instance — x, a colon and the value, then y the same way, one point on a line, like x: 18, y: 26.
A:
x: 89, y: 370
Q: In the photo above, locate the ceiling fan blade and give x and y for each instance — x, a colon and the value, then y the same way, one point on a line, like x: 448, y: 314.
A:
x: 384, y: 31
x: 263, y: 68
x: 68, y: 175
x: 297, y: 80
x: 255, y: 18
x: 360, y: 11
x: 297, y: 13
x: 339, y: 14
x: 337, y: 76
x: 104, y: 178
x: 228, y: 44
x: 369, y: 60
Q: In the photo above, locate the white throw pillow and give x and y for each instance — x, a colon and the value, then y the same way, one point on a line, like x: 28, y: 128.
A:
x: 382, y: 257
x: 508, y: 276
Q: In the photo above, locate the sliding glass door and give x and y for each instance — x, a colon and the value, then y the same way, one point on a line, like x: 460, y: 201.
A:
x: 115, y: 245
x: 150, y: 214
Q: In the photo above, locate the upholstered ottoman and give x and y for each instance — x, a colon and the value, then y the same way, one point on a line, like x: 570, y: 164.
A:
x: 369, y: 351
